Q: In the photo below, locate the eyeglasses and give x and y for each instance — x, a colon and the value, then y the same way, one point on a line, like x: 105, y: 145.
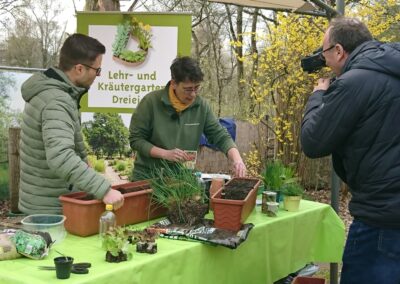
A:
x: 98, y: 70
x: 190, y: 90
x: 322, y: 52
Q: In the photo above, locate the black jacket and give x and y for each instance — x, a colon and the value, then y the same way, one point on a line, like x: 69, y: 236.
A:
x: 357, y: 120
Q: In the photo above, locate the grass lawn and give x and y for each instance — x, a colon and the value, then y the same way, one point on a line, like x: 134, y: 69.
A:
x: 3, y: 181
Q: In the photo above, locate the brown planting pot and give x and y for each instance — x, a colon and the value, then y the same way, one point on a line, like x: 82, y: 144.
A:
x: 231, y: 214
x: 83, y: 215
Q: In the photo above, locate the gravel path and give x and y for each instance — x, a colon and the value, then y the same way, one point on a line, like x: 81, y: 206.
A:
x: 113, y: 176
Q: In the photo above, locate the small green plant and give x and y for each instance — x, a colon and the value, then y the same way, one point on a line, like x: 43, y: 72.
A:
x: 91, y: 160
x: 120, y: 166
x: 115, y: 241
x: 276, y: 175
x: 292, y: 189
x: 133, y: 56
x: 100, y: 166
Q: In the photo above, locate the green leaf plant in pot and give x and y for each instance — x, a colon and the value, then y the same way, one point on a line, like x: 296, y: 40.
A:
x: 276, y: 175
x: 176, y: 188
x: 115, y: 242
x: 145, y: 240
x: 292, y: 196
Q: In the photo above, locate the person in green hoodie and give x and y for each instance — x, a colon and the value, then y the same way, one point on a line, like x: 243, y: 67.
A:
x: 168, y: 123
x: 53, y: 159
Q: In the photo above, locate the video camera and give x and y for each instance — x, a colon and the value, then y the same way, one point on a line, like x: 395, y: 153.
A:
x: 313, y: 62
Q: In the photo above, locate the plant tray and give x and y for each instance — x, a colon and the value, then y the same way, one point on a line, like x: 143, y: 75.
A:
x: 231, y: 214
x: 83, y: 213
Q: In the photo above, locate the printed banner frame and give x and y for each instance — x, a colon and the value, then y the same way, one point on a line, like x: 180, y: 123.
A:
x: 121, y: 85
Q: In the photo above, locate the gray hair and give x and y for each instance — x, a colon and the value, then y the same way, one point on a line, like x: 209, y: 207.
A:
x: 348, y: 32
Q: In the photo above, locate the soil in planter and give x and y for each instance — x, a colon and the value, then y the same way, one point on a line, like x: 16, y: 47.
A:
x: 132, y: 189
x: 191, y: 212
x: 86, y: 197
x: 120, y: 257
x: 238, y: 189
x: 121, y: 189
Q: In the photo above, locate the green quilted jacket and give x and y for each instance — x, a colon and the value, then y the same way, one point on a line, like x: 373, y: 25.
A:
x: 53, y: 159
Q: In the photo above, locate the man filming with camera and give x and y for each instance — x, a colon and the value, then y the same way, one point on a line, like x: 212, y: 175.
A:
x: 356, y: 118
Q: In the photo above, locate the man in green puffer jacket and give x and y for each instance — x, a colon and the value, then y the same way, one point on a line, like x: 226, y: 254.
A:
x: 53, y: 158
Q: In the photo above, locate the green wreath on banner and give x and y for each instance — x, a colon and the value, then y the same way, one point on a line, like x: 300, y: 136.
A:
x: 137, y: 31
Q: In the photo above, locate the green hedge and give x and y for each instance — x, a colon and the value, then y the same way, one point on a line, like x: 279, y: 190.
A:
x: 100, y: 166
x: 4, y: 181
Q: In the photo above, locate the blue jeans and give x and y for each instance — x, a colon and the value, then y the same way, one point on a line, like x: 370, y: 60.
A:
x: 371, y: 255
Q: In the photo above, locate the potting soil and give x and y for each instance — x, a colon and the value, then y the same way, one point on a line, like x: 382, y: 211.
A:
x: 204, y: 232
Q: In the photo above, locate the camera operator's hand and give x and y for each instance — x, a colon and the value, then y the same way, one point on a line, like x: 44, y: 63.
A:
x: 322, y: 84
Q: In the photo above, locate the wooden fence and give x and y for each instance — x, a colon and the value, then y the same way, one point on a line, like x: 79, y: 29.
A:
x: 14, y: 135
x: 247, y: 136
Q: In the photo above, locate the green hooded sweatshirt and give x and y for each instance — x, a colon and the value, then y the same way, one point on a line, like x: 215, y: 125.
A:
x: 156, y: 123
x: 53, y: 158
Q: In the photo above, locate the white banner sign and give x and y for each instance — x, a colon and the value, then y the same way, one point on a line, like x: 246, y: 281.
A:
x: 123, y: 84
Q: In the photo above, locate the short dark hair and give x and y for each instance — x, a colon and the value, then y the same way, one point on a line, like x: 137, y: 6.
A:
x: 79, y: 48
x: 348, y: 32
x: 186, y: 68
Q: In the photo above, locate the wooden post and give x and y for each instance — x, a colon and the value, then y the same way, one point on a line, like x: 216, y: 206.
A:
x: 14, y: 134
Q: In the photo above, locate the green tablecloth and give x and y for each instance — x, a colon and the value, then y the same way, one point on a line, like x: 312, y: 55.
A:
x: 275, y: 247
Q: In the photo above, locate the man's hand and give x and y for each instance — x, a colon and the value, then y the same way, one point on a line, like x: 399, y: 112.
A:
x: 176, y: 155
x: 322, y: 84
x: 115, y: 198
x: 239, y: 169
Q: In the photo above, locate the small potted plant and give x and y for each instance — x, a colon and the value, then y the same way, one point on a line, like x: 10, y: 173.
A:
x: 276, y: 175
x: 176, y: 188
x: 145, y: 240
x: 115, y: 242
x: 292, y: 196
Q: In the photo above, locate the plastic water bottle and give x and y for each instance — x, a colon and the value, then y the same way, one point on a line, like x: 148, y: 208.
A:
x: 107, y: 220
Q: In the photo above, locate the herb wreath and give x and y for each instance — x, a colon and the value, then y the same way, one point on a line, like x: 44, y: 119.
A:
x: 140, y: 32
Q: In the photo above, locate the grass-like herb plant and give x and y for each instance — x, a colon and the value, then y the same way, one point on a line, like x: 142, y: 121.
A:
x: 178, y: 189
x: 276, y: 175
x: 292, y: 189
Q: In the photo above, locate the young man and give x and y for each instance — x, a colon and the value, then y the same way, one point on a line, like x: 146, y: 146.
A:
x: 356, y: 119
x: 168, y: 123
x: 53, y: 158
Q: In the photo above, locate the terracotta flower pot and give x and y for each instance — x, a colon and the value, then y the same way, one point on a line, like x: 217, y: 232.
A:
x: 231, y: 214
x: 291, y: 203
x: 83, y: 213
x: 216, y: 184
